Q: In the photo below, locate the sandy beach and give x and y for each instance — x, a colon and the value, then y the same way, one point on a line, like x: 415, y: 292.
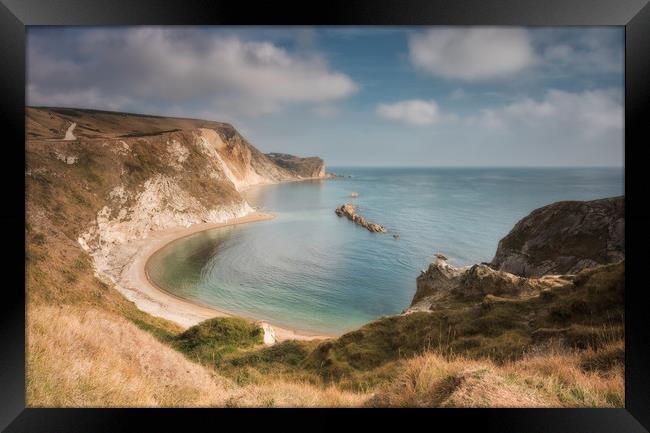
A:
x: 135, y: 284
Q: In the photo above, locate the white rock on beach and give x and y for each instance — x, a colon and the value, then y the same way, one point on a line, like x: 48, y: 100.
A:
x: 269, y: 334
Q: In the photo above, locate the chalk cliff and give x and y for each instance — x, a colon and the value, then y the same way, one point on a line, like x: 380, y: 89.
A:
x: 151, y: 172
x: 107, y: 179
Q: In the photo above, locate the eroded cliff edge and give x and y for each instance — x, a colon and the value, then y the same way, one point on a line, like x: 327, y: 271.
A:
x: 564, y: 238
x: 482, y: 312
x: 151, y: 172
x: 544, y: 250
x: 310, y: 167
x: 106, y: 180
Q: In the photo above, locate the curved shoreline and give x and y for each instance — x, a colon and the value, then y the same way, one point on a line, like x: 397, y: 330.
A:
x: 154, y: 300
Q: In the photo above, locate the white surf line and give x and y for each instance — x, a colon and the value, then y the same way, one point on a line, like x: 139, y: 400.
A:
x: 68, y: 134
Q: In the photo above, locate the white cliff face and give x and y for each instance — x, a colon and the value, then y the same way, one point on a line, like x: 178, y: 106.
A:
x: 128, y: 184
x: 162, y: 204
x: 269, y: 334
x: 241, y: 175
x: 177, y: 153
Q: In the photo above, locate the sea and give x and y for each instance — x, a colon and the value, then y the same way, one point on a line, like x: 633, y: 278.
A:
x: 316, y: 273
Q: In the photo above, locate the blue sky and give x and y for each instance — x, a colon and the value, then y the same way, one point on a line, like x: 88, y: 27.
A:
x: 397, y: 96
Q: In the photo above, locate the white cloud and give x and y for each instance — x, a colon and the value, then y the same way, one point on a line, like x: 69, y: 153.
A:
x: 167, y: 66
x: 595, y: 115
x: 471, y: 53
x: 413, y: 112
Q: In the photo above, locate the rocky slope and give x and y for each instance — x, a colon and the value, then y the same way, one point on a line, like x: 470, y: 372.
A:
x: 149, y: 173
x: 564, y: 238
x: 483, y: 312
x: 99, y: 182
x: 442, y: 279
x: 105, y: 180
x: 543, y: 251
x: 305, y: 167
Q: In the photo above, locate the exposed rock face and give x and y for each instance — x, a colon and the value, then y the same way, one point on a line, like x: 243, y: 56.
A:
x: 564, y: 238
x: 442, y: 279
x: 269, y: 334
x: 311, y: 167
x: 349, y: 211
x: 124, y: 175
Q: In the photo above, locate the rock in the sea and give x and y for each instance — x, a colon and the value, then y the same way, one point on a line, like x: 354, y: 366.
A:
x: 346, y: 210
x: 564, y: 238
x: 349, y: 211
x: 354, y: 194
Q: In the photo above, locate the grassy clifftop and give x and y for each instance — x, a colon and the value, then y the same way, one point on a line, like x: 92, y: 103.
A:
x: 560, y: 348
x: 118, y: 176
x: 115, y: 175
x: 581, y: 315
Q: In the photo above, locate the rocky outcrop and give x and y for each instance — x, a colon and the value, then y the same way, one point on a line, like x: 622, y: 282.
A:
x: 349, y: 211
x: 269, y: 338
x: 564, y: 238
x: 441, y: 280
x: 311, y: 167
x: 542, y: 252
x: 156, y: 172
x: 241, y: 163
x: 124, y: 176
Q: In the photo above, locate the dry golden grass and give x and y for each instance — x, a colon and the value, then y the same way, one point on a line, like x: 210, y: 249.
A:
x: 553, y: 379
x: 432, y: 381
x: 294, y: 394
x: 85, y: 350
x: 93, y: 358
x: 79, y: 357
x: 561, y: 376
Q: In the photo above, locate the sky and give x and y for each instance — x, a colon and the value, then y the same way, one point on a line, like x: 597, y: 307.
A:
x: 358, y: 96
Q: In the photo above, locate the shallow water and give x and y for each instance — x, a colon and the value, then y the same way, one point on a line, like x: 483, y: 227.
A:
x: 310, y: 270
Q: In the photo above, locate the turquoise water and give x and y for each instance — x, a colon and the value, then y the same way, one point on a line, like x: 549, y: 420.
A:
x: 312, y: 271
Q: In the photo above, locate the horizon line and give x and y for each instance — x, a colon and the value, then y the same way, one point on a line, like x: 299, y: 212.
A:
x: 475, y: 166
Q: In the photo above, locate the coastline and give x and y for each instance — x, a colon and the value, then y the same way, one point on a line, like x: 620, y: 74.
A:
x: 149, y: 297
x: 327, y: 176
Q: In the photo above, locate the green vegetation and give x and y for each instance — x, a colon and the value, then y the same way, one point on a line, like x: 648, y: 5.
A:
x: 162, y: 329
x: 211, y: 339
x: 586, y: 316
x: 562, y: 348
x: 582, y: 315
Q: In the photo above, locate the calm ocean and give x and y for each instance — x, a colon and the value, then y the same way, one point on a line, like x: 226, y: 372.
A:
x: 310, y: 270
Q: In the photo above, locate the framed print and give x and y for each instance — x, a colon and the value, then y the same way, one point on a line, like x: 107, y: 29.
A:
x: 357, y: 205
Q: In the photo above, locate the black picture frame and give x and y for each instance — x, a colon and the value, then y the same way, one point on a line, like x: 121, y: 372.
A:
x: 634, y: 15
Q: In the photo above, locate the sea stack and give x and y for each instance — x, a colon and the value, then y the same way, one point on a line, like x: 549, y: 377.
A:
x: 348, y: 210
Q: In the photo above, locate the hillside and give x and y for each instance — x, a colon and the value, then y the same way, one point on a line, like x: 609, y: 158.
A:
x: 98, y: 182
x: 106, y: 179
x: 306, y: 167
x: 100, y: 185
